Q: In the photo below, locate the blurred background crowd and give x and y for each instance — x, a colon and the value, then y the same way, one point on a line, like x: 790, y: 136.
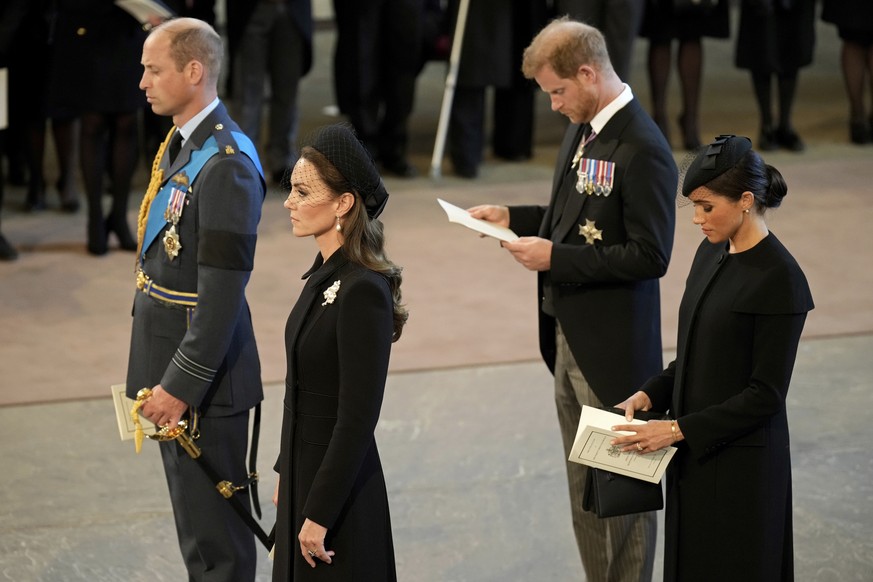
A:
x: 78, y: 129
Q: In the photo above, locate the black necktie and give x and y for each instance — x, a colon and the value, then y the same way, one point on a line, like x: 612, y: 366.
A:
x: 175, y: 146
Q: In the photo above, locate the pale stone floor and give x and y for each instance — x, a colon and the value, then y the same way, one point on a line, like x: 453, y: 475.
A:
x: 474, y: 468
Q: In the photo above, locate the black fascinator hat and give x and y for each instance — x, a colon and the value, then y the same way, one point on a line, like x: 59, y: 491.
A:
x: 339, y: 144
x: 714, y: 160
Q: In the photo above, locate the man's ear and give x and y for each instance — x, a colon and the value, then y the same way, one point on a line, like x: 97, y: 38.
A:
x: 195, y: 72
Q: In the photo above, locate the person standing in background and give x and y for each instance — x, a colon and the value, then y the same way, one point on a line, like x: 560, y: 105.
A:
x: 686, y: 22
x: 776, y: 39
x: 270, y: 39
x: 494, y: 38
x: 26, y: 43
x: 618, y: 20
x: 377, y: 59
x: 192, y: 339
x: 95, y: 74
x: 854, y: 22
x: 598, y: 249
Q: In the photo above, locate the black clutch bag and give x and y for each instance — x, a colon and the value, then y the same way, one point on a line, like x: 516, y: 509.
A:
x: 609, y: 494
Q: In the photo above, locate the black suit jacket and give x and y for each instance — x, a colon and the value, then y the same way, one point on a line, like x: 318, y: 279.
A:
x: 606, y: 295
x: 212, y: 360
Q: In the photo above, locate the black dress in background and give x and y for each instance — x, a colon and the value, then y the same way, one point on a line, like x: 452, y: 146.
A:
x: 663, y: 22
x: 775, y: 36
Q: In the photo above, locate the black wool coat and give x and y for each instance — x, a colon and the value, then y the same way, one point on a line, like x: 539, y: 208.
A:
x: 338, y: 346
x: 728, y: 510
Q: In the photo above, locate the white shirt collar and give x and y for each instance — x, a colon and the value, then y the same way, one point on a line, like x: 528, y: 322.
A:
x: 604, y: 115
x: 187, y: 129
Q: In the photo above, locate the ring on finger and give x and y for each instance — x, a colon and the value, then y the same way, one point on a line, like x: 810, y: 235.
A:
x: 311, y: 553
x: 639, y: 447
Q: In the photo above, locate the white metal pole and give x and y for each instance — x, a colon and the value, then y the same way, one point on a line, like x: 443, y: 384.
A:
x: 449, y: 93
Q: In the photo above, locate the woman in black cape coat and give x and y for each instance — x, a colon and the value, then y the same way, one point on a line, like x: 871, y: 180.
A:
x: 728, y: 512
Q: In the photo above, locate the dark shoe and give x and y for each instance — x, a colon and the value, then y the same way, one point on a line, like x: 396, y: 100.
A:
x: 399, y: 167
x: 767, y: 140
x: 788, y: 139
x: 690, y: 137
x: 98, y: 243
x: 859, y: 133
x: 662, y: 124
x: 69, y: 198
x: 513, y: 156
x: 7, y: 251
x: 35, y: 200
x: 122, y: 231
x: 466, y: 171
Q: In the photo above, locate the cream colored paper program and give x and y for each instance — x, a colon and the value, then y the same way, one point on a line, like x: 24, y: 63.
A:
x: 592, y: 448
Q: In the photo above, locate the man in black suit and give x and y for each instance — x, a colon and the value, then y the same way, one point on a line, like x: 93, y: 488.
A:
x: 192, y: 340
x: 598, y: 248
x: 376, y: 62
x: 270, y: 39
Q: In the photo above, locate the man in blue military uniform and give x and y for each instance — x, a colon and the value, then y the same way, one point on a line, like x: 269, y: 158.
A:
x: 192, y: 342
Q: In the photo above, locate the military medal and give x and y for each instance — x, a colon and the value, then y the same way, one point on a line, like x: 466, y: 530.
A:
x: 175, y: 205
x: 595, y: 177
x: 590, y: 232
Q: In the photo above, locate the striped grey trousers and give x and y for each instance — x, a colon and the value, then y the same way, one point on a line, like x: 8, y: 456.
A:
x: 614, y: 549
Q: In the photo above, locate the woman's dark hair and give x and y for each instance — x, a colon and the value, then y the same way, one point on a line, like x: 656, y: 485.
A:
x: 751, y: 174
x: 363, y: 237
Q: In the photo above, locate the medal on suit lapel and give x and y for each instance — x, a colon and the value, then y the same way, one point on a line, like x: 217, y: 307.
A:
x: 595, y: 177
x: 175, y: 206
x: 590, y: 232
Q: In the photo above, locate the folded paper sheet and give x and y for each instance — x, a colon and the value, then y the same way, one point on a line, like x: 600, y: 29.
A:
x: 461, y: 216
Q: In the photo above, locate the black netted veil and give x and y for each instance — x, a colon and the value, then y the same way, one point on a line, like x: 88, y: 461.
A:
x: 339, y: 144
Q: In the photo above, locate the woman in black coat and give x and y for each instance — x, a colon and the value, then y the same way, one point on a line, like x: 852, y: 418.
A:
x: 854, y: 22
x: 332, y: 519
x: 775, y: 40
x: 687, y: 23
x: 728, y: 513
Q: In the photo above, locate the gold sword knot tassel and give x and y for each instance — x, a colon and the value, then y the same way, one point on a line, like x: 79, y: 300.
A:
x: 141, y: 397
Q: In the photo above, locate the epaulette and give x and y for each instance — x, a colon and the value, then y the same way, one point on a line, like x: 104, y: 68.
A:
x: 224, y: 138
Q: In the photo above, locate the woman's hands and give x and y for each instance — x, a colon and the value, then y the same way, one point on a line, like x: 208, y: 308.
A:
x: 311, y: 540
x: 649, y: 437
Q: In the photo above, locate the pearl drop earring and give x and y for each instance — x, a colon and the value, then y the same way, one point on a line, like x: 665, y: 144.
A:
x: 339, y: 227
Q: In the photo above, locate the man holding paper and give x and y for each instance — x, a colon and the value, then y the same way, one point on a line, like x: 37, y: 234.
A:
x: 598, y: 248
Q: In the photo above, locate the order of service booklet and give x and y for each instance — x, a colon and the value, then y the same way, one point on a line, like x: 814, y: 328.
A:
x: 592, y: 447
x: 460, y: 216
x: 146, y: 10
x: 123, y: 404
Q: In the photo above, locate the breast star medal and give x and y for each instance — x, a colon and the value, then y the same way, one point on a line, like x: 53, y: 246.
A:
x: 172, y: 244
x: 590, y: 232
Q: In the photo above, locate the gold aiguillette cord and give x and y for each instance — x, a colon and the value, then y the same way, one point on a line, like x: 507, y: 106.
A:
x: 141, y: 398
